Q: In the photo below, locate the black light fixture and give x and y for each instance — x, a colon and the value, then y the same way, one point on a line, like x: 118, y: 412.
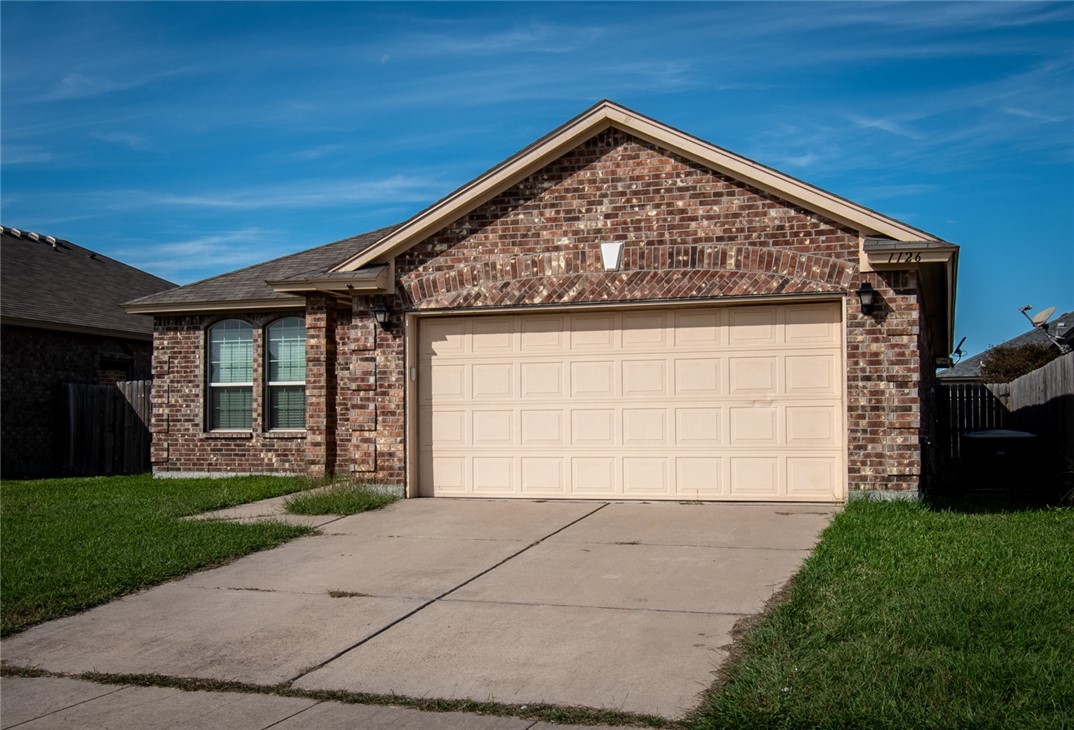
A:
x: 868, y: 298
x: 381, y: 313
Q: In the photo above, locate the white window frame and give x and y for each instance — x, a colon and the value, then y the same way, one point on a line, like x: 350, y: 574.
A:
x: 212, y: 387
x: 270, y: 384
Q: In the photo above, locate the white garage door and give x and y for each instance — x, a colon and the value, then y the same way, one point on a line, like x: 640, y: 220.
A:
x: 704, y: 403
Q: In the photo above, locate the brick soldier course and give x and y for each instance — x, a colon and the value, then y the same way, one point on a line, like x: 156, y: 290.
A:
x: 691, y: 232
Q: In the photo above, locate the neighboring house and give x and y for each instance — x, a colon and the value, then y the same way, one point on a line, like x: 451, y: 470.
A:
x: 620, y: 310
x: 968, y: 370
x: 62, y: 322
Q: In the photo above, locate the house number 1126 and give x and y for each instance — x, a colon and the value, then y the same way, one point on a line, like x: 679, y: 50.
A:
x: 904, y: 257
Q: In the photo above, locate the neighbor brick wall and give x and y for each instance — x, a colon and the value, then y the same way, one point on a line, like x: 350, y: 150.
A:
x: 36, y: 364
x: 689, y: 233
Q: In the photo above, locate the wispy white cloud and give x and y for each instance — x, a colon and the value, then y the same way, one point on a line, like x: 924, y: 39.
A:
x: 533, y: 37
x: 1029, y: 114
x: 887, y: 125
x: 80, y: 85
x: 131, y: 141
x: 176, y: 260
x: 17, y: 154
x: 315, y: 153
x: 292, y: 196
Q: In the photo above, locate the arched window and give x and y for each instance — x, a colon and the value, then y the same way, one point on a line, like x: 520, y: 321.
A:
x: 285, y: 369
x: 231, y: 375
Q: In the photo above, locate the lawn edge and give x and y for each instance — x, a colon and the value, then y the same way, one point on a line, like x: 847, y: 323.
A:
x: 557, y: 714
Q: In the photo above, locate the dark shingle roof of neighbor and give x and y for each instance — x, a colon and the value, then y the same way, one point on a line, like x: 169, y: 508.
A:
x: 1061, y: 326
x: 249, y: 283
x: 59, y: 284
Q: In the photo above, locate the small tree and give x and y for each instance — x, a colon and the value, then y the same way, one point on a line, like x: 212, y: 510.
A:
x: 1005, y: 364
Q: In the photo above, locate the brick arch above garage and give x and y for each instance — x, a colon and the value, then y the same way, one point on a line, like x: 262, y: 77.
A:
x: 688, y: 231
x: 653, y: 272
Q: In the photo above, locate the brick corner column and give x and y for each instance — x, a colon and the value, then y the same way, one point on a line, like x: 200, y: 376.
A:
x: 320, y: 385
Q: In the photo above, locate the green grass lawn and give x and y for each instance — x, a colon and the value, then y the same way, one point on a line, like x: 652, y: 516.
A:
x: 339, y: 499
x: 909, y: 617
x: 69, y: 544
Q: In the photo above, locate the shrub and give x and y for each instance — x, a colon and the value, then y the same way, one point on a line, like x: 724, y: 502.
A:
x: 1005, y: 364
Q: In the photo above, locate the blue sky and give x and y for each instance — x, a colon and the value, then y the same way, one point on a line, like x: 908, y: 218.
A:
x: 190, y: 139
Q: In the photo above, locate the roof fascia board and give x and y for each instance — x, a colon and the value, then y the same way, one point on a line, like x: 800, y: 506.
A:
x: 238, y: 305
x: 78, y: 329
x: 597, y: 119
x: 367, y: 281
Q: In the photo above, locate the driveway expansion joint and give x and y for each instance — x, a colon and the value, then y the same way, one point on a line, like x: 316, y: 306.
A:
x: 68, y: 707
x: 428, y: 603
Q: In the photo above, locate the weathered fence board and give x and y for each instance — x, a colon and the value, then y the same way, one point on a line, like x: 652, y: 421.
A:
x: 1042, y: 402
x: 106, y: 427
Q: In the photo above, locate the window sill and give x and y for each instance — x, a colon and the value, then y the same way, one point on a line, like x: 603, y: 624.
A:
x: 282, y: 434
x: 228, y: 434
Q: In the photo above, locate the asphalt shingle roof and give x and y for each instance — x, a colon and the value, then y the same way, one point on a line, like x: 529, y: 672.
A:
x: 249, y: 283
x: 61, y: 284
x: 1061, y: 326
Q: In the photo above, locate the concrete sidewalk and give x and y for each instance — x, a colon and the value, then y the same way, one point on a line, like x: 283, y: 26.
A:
x: 35, y: 703
x: 619, y: 606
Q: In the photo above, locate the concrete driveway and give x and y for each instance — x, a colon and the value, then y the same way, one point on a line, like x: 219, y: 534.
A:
x: 606, y: 605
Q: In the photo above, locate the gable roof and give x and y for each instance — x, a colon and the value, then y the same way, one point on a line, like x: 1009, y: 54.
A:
x: 604, y: 115
x: 970, y: 368
x: 55, y: 284
x: 248, y: 288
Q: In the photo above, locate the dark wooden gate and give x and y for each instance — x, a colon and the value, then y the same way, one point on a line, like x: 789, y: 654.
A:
x: 106, y: 428
x: 964, y: 408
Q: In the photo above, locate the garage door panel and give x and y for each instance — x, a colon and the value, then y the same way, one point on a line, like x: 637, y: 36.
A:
x: 756, y: 477
x: 592, y: 332
x: 699, y: 328
x: 752, y: 326
x: 645, y: 476
x: 593, y: 379
x: 812, y: 425
x: 542, y: 427
x: 543, y: 475
x: 699, y: 426
x: 754, y: 426
x: 593, y: 476
x: 812, y: 324
x: 697, y: 376
x: 492, y: 381
x: 542, y: 380
x: 444, y: 427
x: 493, y: 475
x: 593, y: 427
x: 704, y: 403
x: 753, y: 376
x: 493, y: 428
x: 645, y: 378
x: 444, y: 337
x: 699, y: 477
x: 645, y: 426
x: 809, y: 476
x: 810, y: 374
x: 645, y: 330
x: 541, y: 334
x: 445, y: 382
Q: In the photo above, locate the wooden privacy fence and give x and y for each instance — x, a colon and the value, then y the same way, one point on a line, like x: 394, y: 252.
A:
x: 106, y: 428
x: 1042, y: 402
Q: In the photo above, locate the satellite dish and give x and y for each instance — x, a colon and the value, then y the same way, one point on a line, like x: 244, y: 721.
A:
x: 958, y: 349
x: 1041, y: 317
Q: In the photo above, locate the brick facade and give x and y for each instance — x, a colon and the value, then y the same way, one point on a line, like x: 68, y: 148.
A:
x: 37, y: 363
x: 690, y: 234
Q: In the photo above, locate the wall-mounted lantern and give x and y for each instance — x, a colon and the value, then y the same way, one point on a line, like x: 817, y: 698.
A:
x: 868, y: 297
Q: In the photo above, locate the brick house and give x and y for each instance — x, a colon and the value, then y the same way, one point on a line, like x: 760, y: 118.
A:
x: 62, y: 322
x: 620, y: 310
